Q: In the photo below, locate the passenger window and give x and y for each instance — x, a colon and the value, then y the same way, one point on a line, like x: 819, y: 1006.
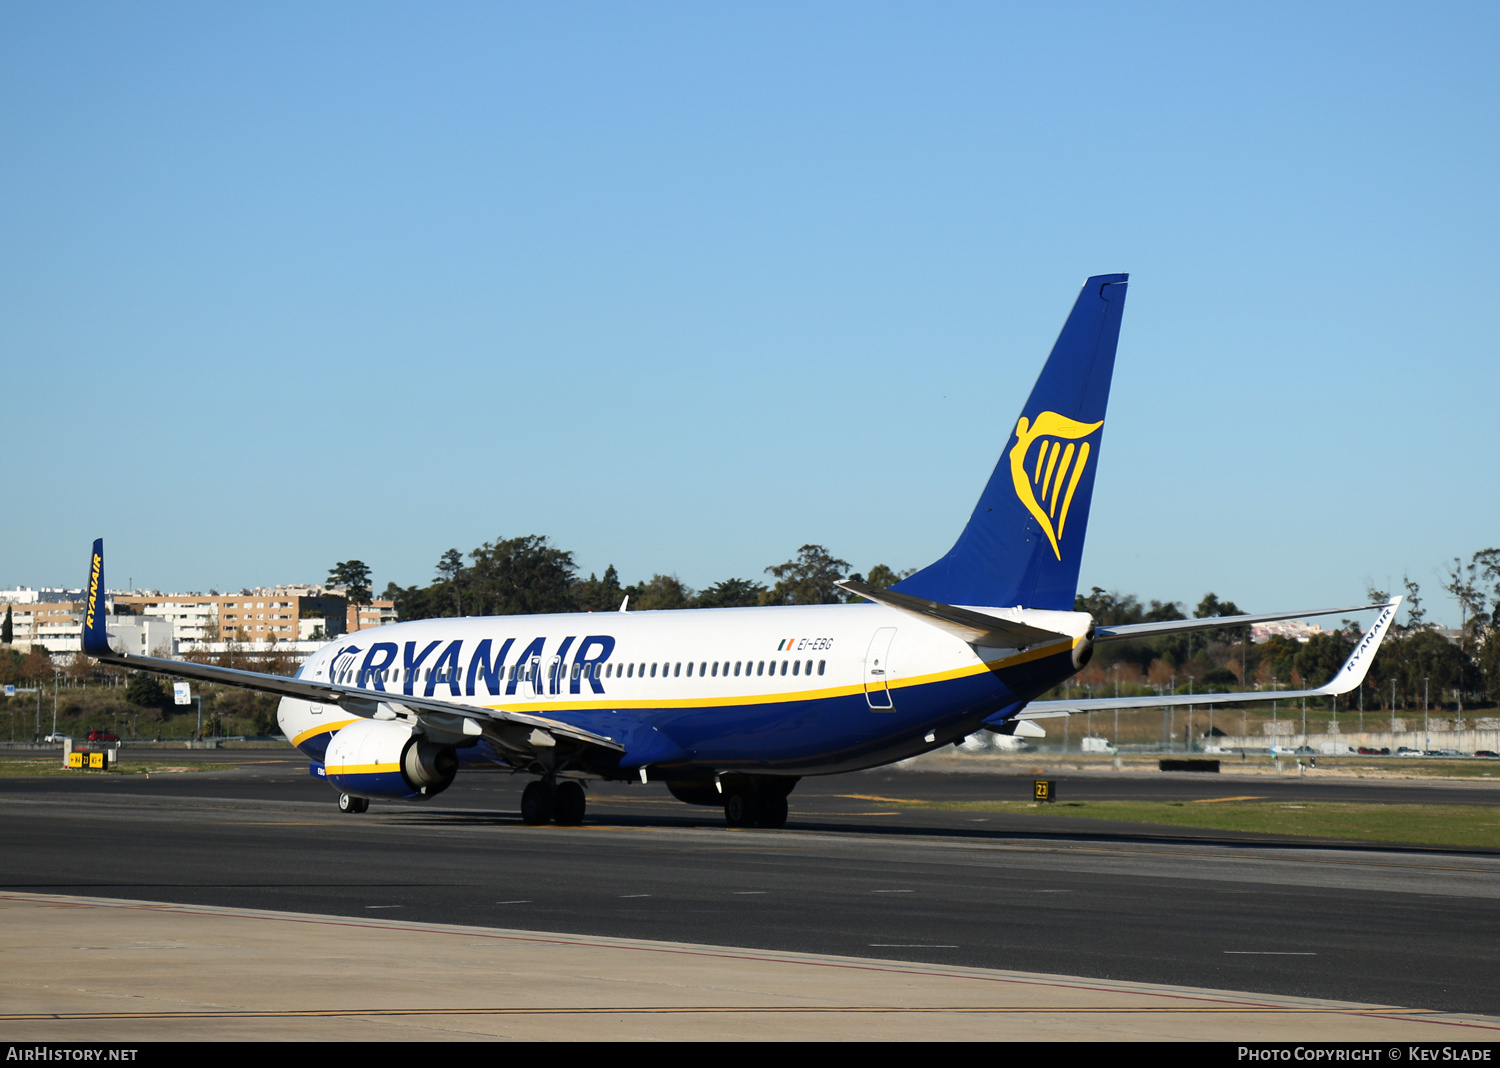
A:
x: 736, y: 669
x: 821, y: 665
x: 809, y: 667
x: 690, y: 671
x: 796, y: 667
x: 678, y: 671
x: 783, y: 667
x: 653, y: 671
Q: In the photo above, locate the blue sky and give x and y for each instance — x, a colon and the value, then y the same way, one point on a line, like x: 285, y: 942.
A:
x: 685, y: 286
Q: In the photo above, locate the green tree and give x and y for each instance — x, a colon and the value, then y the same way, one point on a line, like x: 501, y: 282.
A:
x: 354, y: 576
x: 10, y: 667
x: 661, y: 592
x: 450, y: 570
x: 520, y: 576
x: 731, y: 593
x: 144, y: 691
x: 595, y: 594
x: 809, y: 579
x: 1278, y: 659
x: 1321, y: 656
x: 414, y: 602
x: 883, y: 578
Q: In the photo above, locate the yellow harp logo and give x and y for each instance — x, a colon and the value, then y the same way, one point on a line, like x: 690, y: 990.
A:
x: 1046, y: 483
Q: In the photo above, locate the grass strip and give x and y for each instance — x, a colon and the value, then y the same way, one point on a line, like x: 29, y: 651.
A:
x: 1441, y: 825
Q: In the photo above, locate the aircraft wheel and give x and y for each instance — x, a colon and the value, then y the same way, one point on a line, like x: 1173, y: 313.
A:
x: 772, y: 811
x: 569, y: 804
x: 538, y: 802
x: 740, y: 808
x: 352, y: 805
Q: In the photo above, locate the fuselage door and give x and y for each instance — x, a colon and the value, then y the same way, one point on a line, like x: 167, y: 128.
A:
x: 877, y: 670
x: 554, y: 676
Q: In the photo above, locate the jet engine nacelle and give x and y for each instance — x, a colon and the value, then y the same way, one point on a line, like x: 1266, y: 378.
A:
x: 385, y: 758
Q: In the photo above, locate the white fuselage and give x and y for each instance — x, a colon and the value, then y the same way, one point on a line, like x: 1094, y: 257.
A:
x: 788, y: 689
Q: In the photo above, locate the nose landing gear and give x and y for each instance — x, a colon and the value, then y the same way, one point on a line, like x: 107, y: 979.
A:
x: 563, y: 803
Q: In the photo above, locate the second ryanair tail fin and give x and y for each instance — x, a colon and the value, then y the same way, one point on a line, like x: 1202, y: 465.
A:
x: 1024, y: 543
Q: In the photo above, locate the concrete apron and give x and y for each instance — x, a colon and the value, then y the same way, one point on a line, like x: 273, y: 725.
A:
x: 98, y: 970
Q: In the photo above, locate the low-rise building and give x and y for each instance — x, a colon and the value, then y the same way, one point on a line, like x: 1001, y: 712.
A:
x: 174, y: 622
x: 58, y: 628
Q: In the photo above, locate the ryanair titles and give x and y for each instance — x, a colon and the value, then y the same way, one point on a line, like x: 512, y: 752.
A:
x: 412, y: 671
x: 96, y: 568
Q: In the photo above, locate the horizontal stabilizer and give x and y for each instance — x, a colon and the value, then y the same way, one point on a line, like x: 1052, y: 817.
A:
x: 976, y: 628
x: 1349, y: 676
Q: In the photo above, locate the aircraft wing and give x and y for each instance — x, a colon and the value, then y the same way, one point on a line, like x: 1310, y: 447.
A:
x: 1183, y: 626
x: 1350, y: 675
x: 443, y: 718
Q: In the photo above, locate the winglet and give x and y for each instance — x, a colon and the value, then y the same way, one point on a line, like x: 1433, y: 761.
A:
x: 95, y: 637
x: 1354, y: 669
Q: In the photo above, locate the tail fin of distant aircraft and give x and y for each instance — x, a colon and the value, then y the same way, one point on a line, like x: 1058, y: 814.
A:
x: 95, y: 637
x: 1024, y: 542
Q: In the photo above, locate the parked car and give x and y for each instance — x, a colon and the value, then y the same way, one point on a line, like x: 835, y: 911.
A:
x: 103, y: 736
x: 1407, y: 751
x: 1486, y: 753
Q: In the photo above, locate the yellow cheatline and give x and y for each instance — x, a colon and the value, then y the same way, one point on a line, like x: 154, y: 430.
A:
x: 361, y: 769
x: 323, y: 728
x: 542, y: 704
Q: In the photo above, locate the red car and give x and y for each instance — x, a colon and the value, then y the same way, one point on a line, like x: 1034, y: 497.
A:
x: 103, y: 736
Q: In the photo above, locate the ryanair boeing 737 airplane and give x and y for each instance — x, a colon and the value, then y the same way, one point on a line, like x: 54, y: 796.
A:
x: 730, y: 707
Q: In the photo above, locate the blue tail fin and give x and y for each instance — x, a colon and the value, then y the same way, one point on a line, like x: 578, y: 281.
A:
x: 95, y: 637
x: 1024, y: 542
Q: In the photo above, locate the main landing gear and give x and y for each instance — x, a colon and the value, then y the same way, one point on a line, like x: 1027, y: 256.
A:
x: 557, y: 802
x: 761, y: 805
x: 352, y: 805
